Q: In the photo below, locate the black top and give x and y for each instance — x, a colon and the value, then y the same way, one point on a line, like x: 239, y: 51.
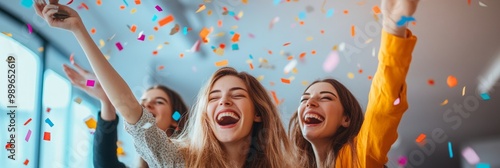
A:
x: 105, y: 138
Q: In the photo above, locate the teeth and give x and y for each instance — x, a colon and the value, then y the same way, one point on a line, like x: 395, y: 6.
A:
x: 229, y: 114
x: 310, y: 115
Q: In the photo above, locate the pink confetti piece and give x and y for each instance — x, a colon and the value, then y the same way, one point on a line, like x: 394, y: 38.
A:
x: 470, y: 155
x: 331, y: 61
x: 196, y: 47
x: 28, y: 135
x: 30, y: 30
x: 397, y: 101
x: 119, y: 46
x: 158, y: 8
x: 90, y: 83
x: 402, y: 160
x: 251, y: 35
x: 141, y: 37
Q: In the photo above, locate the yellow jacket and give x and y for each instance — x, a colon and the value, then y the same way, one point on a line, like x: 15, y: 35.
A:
x: 379, y: 130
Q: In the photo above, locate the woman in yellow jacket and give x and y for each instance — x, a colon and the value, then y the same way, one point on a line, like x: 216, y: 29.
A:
x: 329, y: 129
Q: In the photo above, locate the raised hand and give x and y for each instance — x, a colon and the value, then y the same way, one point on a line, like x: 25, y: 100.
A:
x: 57, y: 15
x: 393, y: 11
x: 79, y: 78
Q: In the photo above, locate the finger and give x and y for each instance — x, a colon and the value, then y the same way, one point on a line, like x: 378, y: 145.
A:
x: 80, y: 69
x: 54, y: 1
x: 39, y: 5
x: 49, y: 11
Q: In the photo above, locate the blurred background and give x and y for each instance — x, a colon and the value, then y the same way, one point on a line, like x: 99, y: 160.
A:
x: 453, y: 87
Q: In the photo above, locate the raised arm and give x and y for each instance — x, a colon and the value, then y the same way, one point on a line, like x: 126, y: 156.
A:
x: 387, y: 99
x: 113, y: 84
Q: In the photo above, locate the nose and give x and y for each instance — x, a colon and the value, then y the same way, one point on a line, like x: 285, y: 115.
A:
x: 311, y: 102
x: 224, y: 101
x: 150, y: 106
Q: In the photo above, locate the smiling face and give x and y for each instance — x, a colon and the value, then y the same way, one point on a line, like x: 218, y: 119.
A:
x: 321, y: 112
x: 158, y: 103
x: 230, y: 109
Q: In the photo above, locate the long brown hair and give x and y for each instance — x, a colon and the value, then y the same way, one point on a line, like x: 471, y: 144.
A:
x: 269, y: 148
x: 343, y: 137
x: 176, y: 103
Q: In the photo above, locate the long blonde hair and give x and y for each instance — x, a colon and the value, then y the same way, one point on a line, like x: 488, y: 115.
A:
x: 344, y: 138
x: 269, y: 147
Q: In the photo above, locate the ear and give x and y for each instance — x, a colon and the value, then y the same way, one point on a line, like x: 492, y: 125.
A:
x: 346, y: 121
x: 257, y: 118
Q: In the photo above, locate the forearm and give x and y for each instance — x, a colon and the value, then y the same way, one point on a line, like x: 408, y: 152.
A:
x: 108, y: 112
x: 116, y: 89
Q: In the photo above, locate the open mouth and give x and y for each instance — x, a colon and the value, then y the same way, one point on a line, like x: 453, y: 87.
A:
x: 227, y: 118
x: 311, y: 118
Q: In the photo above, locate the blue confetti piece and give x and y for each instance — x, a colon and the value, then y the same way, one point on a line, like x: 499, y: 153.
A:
x: 27, y: 3
x: 329, y: 13
x: 483, y: 165
x: 154, y: 18
x: 49, y: 122
x: 231, y: 32
x: 404, y: 20
x: 251, y: 57
x: 235, y: 47
x: 213, y: 47
x: 124, y: 1
x: 230, y: 13
x: 176, y: 116
x: 276, y: 2
x: 485, y: 96
x: 450, y: 150
x: 185, y: 30
x: 302, y: 15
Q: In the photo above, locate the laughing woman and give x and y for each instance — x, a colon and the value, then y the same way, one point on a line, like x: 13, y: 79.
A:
x: 234, y: 123
x: 329, y: 129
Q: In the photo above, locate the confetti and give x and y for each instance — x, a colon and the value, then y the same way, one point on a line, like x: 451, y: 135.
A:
x: 28, y: 135
x: 122, y: 7
x: 470, y: 155
x: 119, y: 46
x: 27, y: 3
x: 92, y: 30
x: 154, y: 18
x: 397, y: 101
x: 175, y: 29
x: 463, y: 91
x: 452, y: 81
x: 331, y: 61
x: 376, y: 9
x: 302, y: 55
x: 30, y: 30
x: 120, y: 151
x: 450, y: 150
x: 420, y: 138
x: 482, y: 4
x: 483, y: 165
x: 166, y: 20
x: 290, y: 66
x: 72, y: 58
x: 48, y: 109
x: 469, y: 2
x: 204, y: 33
x: 47, y: 120
x: 251, y: 66
x: 158, y: 8
x: 26, y: 162
x: 137, y: 2
x: 161, y: 67
x: 236, y: 38
x: 221, y: 63
x: 40, y: 49
x: 444, y: 102
x: 78, y: 100
x: 133, y: 28
x: 274, y: 21
x: 402, y: 160
x: 101, y: 43
x: 353, y: 31
x: 85, y: 6
x: 46, y: 136
x: 285, y: 81
x: 201, y: 8
x: 276, y: 100
x: 90, y: 83
x: 27, y: 121
x: 373, y: 52
x: 7, y: 34
x: 309, y: 38
x: 185, y: 31
x: 430, y: 82
x: 485, y: 96
x: 350, y: 75
x: 98, y: 2
x: 404, y: 20
x: 329, y: 13
x: 90, y: 122
x: 133, y: 10
x: 346, y: 12
x: 302, y: 15
x: 209, y: 12
x: 176, y: 116
x: 235, y: 47
x: 155, y: 52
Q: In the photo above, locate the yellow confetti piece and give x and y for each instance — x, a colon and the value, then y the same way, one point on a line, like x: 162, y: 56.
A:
x: 166, y: 42
x: 91, y: 122
x: 120, y: 152
x: 78, y: 100
x: 221, y: 63
x: 219, y: 34
x: 309, y: 38
x: 444, y: 102
x: 219, y: 51
x: 133, y: 11
x: 291, y: 78
x: 350, y: 75
x: 234, y: 27
x: 41, y: 49
x: 101, y: 43
x: 368, y: 41
x: 107, y: 57
x: 305, y: 83
x: 201, y: 8
x: 295, y: 71
x: 7, y: 34
x: 244, y: 1
x: 463, y: 91
x: 160, y: 46
x: 209, y: 12
x: 249, y: 61
x: 240, y: 15
x: 260, y: 78
x: 151, y: 37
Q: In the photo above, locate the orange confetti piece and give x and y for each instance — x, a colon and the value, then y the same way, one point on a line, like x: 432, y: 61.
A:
x: 222, y: 45
x: 120, y: 151
x: 430, y: 82
x: 99, y: 3
x: 155, y: 52
x: 452, y: 81
x: 26, y: 162
x: 469, y: 2
x: 166, y: 20
x: 353, y: 30
x: 302, y: 55
x: 360, y: 71
x: 221, y: 63
x: 181, y: 55
x: 346, y: 12
x: 28, y: 121
x: 275, y: 97
x: 92, y: 30
x: 219, y: 23
x: 91, y: 122
x: 301, y: 23
x: 445, y: 102
x: 155, y: 28
x: 313, y: 52
x: 414, y: 23
x: 290, y: 58
x: 46, y: 136
x: 420, y: 138
x: 370, y: 77
x: 85, y: 6
x: 322, y: 31
x: 161, y: 67
x: 251, y: 66
x: 201, y: 8
x: 270, y: 52
x: 376, y: 9
x: 285, y: 81
x: 236, y: 38
x: 244, y: 1
x: 286, y: 44
x: 137, y: 2
x: 204, y: 33
x: 122, y: 7
x: 133, y: 28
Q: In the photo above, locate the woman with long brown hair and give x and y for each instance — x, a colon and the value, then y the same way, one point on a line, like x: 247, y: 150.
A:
x: 329, y: 129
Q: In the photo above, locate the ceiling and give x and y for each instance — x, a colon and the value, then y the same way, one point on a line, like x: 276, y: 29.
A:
x: 454, y: 38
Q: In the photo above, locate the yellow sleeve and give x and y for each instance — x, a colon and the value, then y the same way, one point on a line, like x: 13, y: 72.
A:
x: 382, y: 117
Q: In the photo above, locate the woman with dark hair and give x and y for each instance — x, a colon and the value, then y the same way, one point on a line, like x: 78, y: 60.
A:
x: 160, y: 100
x: 329, y: 129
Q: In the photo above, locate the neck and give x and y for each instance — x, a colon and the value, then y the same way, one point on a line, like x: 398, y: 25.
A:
x: 237, y: 152
x: 320, y: 148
